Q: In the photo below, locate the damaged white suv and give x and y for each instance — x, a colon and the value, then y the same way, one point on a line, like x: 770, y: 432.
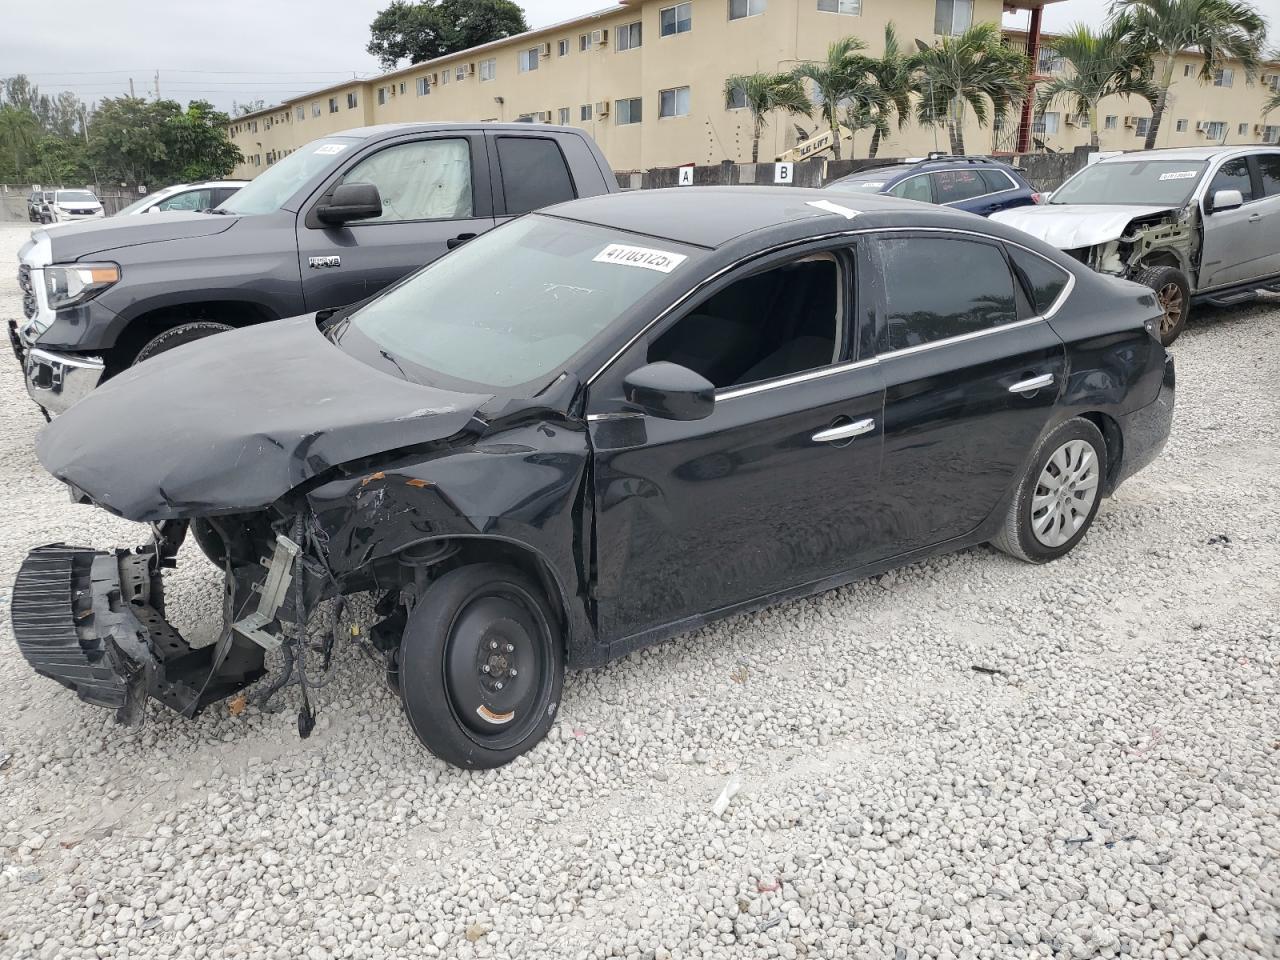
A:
x: 1195, y: 225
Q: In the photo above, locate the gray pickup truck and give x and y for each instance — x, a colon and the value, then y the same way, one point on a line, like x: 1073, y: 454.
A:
x: 330, y: 224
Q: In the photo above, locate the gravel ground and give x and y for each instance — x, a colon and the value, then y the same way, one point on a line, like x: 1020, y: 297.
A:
x: 1108, y: 786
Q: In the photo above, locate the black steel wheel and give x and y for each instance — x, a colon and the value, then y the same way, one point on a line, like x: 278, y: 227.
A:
x: 481, y: 666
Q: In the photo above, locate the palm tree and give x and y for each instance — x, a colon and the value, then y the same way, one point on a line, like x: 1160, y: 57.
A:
x: 1219, y: 30
x: 18, y: 129
x: 970, y: 69
x: 1273, y: 103
x: 761, y: 94
x: 893, y: 74
x: 1103, y: 64
x: 835, y: 80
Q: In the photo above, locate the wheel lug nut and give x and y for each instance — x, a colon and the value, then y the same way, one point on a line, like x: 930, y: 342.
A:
x: 498, y: 685
x: 485, y: 668
x: 512, y: 671
x: 510, y: 648
x: 493, y: 644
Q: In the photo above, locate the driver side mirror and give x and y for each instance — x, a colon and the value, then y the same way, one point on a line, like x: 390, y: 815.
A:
x: 670, y: 392
x: 350, y: 201
x: 1226, y: 200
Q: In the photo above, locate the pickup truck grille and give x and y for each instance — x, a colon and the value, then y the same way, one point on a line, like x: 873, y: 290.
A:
x: 28, y: 291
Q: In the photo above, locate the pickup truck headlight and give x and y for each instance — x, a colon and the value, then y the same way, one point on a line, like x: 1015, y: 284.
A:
x: 72, y: 283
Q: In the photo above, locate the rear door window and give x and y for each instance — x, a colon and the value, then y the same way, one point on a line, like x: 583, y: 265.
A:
x: 534, y: 173
x: 1269, y: 167
x: 969, y: 289
x: 952, y: 186
x: 913, y: 188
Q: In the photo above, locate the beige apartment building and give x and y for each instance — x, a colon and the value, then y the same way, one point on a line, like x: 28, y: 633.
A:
x: 646, y: 79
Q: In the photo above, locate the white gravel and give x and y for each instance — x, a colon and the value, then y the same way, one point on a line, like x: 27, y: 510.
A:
x: 1114, y: 790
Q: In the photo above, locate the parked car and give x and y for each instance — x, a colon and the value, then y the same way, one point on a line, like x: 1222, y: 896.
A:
x: 593, y: 428
x: 184, y: 196
x: 1196, y: 225
x: 330, y: 224
x: 66, y: 206
x: 976, y: 184
x: 36, y: 204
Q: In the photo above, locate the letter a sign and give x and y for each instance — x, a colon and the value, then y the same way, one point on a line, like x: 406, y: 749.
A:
x: 686, y: 177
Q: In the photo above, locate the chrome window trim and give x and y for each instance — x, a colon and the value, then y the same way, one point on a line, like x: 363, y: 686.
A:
x: 730, y: 393
x: 822, y: 238
x: 959, y: 338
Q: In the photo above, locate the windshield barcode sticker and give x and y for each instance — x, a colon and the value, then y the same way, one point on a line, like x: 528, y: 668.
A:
x: 649, y: 259
x: 1180, y: 175
x: 330, y: 148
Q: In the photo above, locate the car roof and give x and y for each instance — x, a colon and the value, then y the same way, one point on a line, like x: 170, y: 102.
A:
x: 381, y: 130
x: 713, y: 216
x: 1186, y: 153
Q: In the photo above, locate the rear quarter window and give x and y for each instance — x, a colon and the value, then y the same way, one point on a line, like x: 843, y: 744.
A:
x: 534, y: 173
x: 1043, y: 281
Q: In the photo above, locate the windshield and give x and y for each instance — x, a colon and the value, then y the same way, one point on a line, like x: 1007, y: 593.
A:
x: 139, y: 204
x: 514, y: 305
x: 1157, y: 183
x: 76, y: 196
x: 270, y: 189
x: 872, y: 185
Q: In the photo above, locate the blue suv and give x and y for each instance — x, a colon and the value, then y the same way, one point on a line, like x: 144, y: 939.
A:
x: 975, y: 184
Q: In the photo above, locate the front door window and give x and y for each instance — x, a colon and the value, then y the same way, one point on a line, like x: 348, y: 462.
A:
x: 424, y: 180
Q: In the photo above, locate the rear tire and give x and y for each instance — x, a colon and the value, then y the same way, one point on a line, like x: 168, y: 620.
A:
x: 481, y: 666
x: 1058, y: 496
x: 177, y: 336
x: 1173, y: 293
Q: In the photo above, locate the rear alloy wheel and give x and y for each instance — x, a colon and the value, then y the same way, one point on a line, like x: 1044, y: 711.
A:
x: 481, y: 666
x: 1173, y: 294
x: 1058, y: 496
x: 177, y: 336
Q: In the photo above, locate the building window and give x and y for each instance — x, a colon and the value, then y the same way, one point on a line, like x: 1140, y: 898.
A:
x: 629, y: 111
x: 1048, y: 61
x: 1111, y: 122
x: 1142, y: 126
x: 677, y: 19
x: 673, y: 103
x: 1045, y: 125
x: 562, y: 47
x: 444, y: 75
x: 564, y: 116
x: 402, y: 88
x: 584, y: 41
x: 333, y: 104
x: 738, y: 9
x: 1223, y: 77
x: 584, y: 112
x: 852, y: 8
x: 628, y: 36
x: 1271, y: 134
x: 424, y: 88
x: 1188, y: 70
x: 737, y: 99
x: 1216, y: 130
x: 488, y: 69
x: 382, y: 97
x: 527, y: 60
x: 1182, y: 126
x: 952, y: 16
x: 1242, y: 129
x: 351, y: 101
x: 301, y: 112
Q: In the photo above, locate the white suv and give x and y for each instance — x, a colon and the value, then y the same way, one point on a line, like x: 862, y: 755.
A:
x: 68, y: 205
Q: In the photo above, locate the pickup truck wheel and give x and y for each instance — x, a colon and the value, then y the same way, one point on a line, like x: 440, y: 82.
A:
x: 1173, y: 293
x: 177, y: 336
x: 481, y: 666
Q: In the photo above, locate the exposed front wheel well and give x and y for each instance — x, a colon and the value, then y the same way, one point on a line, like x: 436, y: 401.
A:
x: 146, y: 326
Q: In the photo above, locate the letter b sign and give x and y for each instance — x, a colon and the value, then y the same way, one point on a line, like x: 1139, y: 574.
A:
x: 782, y: 172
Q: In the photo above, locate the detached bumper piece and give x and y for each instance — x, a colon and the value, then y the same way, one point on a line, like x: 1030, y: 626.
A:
x: 94, y: 622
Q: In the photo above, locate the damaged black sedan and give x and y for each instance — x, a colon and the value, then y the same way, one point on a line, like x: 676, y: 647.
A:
x: 590, y: 429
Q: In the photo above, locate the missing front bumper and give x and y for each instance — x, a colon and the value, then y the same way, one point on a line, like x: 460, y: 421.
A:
x: 94, y: 621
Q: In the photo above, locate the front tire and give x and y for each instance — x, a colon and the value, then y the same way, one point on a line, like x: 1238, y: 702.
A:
x: 1058, y: 496
x: 177, y: 336
x: 1173, y: 293
x: 481, y: 666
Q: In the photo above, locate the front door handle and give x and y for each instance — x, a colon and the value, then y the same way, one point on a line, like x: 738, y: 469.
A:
x: 1254, y: 218
x: 846, y: 431
x: 1033, y: 384
x: 459, y: 240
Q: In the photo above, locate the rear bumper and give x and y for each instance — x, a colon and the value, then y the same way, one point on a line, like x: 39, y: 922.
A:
x: 1146, y: 431
x: 94, y: 621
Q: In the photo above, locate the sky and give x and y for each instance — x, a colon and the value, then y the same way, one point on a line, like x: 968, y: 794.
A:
x: 245, y: 50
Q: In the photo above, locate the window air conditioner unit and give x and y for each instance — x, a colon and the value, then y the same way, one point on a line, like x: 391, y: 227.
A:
x: 1072, y: 120
x: 602, y: 108
x: 600, y: 37
x: 1130, y: 121
x: 435, y: 78
x: 544, y: 116
x: 546, y: 49
x: 471, y: 69
x: 1202, y: 126
x: 1257, y: 129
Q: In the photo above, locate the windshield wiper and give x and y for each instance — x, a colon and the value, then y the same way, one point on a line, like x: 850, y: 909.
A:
x: 220, y: 211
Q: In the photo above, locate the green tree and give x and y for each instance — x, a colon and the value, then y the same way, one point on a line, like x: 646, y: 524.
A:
x: 1105, y: 63
x: 157, y: 142
x: 835, y: 80
x: 761, y: 94
x: 892, y: 72
x: 1273, y: 103
x: 417, y: 31
x: 59, y: 160
x: 18, y: 133
x: 197, y: 144
x: 968, y: 71
x: 1219, y: 30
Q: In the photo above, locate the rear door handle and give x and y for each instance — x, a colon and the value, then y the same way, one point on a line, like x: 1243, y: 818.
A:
x: 459, y: 240
x: 1033, y: 384
x: 845, y: 431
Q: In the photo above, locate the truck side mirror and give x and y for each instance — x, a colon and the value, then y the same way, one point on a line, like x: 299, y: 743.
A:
x: 350, y: 201
x: 1226, y: 200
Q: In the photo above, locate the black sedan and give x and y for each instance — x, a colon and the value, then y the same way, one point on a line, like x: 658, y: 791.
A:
x: 590, y: 429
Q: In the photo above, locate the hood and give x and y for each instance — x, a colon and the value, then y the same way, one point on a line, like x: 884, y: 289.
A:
x: 233, y: 422
x: 1069, y: 226
x: 77, y: 241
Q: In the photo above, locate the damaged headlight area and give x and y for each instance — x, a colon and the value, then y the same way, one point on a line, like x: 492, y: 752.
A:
x: 66, y: 284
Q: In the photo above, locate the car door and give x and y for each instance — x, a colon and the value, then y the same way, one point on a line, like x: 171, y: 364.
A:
x: 764, y: 495
x: 1233, y: 249
x: 1267, y: 209
x: 971, y: 380
x: 959, y: 188
x: 435, y: 193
